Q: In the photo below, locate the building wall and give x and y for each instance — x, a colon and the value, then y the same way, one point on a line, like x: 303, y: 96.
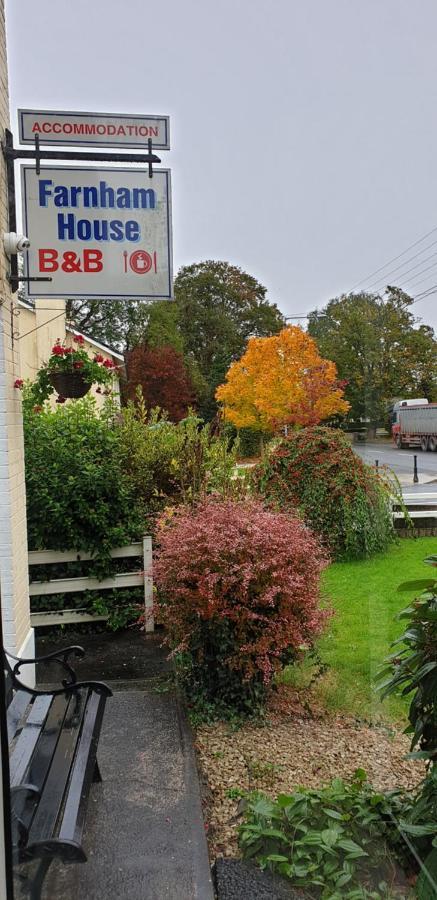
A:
x: 40, y: 328
x: 18, y: 635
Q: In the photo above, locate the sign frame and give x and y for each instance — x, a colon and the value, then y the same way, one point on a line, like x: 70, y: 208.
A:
x: 75, y: 141
x: 43, y: 290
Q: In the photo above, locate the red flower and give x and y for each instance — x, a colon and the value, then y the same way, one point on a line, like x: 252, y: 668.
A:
x: 18, y: 383
x: 37, y: 408
x: 78, y: 364
x: 98, y: 358
x: 108, y: 364
x: 58, y: 350
x: 79, y: 339
x: 69, y: 350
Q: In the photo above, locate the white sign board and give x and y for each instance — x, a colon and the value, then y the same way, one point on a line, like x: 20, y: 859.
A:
x: 98, y: 232
x: 93, y: 129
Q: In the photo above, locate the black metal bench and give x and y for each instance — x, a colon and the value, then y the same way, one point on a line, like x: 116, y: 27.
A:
x: 53, y: 737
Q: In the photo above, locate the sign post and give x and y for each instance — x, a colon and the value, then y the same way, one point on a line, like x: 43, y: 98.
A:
x: 98, y: 232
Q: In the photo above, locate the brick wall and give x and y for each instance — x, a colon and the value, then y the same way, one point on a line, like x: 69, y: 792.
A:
x: 13, y: 539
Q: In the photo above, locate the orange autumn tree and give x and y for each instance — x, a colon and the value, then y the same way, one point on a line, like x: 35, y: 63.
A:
x: 281, y: 380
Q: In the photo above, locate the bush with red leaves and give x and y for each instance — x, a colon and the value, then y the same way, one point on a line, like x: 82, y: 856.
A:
x: 163, y: 378
x: 239, y: 596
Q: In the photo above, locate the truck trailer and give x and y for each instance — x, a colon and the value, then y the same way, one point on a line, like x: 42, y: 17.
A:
x: 414, y: 424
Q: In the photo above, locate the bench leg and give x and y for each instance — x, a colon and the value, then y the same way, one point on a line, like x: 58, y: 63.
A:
x: 96, y: 775
x: 37, y: 883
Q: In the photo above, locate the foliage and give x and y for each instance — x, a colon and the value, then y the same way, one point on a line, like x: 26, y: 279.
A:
x: 412, y: 667
x: 335, y: 839
x: 342, y: 499
x: 162, y: 329
x: 95, y: 370
x: 251, y: 441
x: 173, y: 463
x: 219, y: 308
x: 281, y: 380
x: 118, y: 324
x: 78, y: 494
x: 163, y: 379
x: 378, y: 348
x: 239, y: 592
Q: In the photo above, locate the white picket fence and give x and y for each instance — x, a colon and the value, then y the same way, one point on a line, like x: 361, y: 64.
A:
x: 142, y: 578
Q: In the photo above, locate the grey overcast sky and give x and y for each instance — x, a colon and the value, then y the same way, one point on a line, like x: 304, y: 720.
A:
x: 304, y: 132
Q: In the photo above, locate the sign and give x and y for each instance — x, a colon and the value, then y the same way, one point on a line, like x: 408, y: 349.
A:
x: 98, y: 232
x: 93, y: 129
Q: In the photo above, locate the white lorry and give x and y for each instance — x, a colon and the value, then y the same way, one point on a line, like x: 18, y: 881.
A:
x: 414, y: 424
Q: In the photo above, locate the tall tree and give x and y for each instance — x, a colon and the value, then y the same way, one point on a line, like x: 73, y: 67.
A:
x: 281, y: 380
x: 163, y: 378
x: 220, y: 307
x: 378, y: 349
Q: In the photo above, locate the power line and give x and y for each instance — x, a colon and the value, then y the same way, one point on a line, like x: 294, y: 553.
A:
x: 427, y: 269
x: 432, y: 290
x: 407, y: 272
x: 390, y: 261
x: 410, y: 259
x: 414, y: 283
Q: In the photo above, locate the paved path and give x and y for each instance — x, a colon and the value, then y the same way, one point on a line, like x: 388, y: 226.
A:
x: 144, y: 835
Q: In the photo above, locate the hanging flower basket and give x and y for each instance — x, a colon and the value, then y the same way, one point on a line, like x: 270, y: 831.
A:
x: 71, y: 373
x: 70, y: 385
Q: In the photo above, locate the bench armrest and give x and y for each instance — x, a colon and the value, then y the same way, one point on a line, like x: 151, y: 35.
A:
x: 58, y: 656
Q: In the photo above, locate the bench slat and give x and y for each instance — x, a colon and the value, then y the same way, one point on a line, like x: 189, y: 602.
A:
x: 28, y: 739
x: 15, y: 712
x: 46, y: 815
x: 73, y: 819
x: 40, y: 763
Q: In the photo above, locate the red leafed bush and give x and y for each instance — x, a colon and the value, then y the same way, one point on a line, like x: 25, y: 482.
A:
x: 163, y: 378
x: 239, y: 595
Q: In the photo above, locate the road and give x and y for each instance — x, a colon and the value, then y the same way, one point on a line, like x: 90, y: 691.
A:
x: 402, y: 463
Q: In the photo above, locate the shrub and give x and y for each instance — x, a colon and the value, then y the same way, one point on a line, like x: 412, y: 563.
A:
x: 79, y: 497
x: 78, y: 494
x: 411, y: 669
x: 173, y: 463
x: 342, y: 499
x: 335, y: 839
x: 239, y: 592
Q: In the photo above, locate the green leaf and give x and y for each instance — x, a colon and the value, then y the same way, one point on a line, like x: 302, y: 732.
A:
x: 330, y: 837
x: 264, y: 807
x: 360, y: 775
x: 418, y: 830
x: 333, y: 814
x: 351, y: 847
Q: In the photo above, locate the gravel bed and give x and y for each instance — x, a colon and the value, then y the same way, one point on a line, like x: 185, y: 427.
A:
x: 293, y: 749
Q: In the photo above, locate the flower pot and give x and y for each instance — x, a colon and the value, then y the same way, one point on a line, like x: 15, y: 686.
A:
x: 69, y: 384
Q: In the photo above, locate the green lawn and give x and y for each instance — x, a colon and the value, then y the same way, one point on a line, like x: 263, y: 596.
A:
x: 366, y: 596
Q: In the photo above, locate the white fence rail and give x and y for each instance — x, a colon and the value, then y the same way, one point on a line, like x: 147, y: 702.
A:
x: 427, y: 500
x: 142, y: 578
